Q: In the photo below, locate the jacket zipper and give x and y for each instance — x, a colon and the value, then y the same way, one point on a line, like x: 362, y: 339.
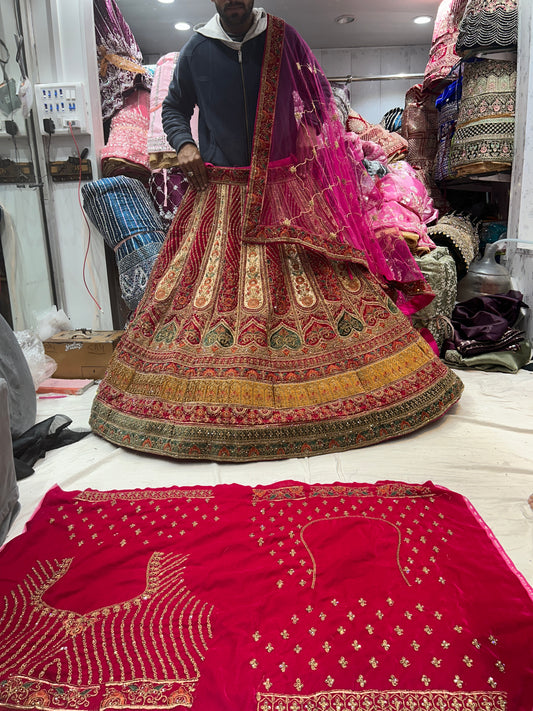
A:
x: 245, y: 106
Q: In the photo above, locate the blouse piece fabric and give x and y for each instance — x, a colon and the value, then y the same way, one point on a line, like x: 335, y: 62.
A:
x: 483, y: 142
x: 488, y: 24
x: 290, y: 597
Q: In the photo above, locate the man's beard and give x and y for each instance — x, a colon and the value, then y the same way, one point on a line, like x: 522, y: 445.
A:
x: 237, y: 19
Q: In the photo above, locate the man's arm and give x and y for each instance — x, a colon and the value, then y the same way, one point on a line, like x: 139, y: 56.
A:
x: 178, y: 108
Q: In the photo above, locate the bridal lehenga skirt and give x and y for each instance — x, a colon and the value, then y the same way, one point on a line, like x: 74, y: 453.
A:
x: 268, y: 349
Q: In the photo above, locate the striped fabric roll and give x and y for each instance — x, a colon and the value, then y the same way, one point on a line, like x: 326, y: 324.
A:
x: 122, y: 211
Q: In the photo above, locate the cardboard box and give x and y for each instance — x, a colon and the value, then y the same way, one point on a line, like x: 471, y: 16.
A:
x: 82, y: 353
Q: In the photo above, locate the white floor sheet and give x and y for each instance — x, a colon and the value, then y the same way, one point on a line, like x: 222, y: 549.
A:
x: 483, y: 449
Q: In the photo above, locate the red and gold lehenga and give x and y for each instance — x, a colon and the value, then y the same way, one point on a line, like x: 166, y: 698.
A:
x: 273, y: 324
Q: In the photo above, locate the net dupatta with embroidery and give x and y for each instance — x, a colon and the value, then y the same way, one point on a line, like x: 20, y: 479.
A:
x: 307, y: 182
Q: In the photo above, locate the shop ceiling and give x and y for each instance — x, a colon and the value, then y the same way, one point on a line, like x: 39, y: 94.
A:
x: 377, y: 23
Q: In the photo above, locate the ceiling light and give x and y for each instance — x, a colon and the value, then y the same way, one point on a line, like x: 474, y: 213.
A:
x: 182, y: 26
x: 166, y: 2
x: 422, y: 20
x: 344, y: 19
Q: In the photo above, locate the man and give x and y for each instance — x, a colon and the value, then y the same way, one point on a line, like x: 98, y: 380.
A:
x: 267, y: 330
x: 219, y: 70
x: 222, y: 77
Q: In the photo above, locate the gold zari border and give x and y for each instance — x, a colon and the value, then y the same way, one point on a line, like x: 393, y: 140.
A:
x: 379, y: 700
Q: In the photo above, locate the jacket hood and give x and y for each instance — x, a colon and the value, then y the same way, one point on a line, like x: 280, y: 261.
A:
x: 214, y: 29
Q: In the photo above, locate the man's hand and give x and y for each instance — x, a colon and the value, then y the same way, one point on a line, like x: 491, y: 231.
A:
x: 192, y: 166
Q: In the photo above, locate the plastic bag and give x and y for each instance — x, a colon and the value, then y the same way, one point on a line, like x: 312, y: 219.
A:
x: 52, y: 322
x: 41, y: 365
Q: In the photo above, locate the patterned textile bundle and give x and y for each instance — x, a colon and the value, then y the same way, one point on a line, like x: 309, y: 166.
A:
x: 341, y: 95
x: 392, y: 119
x: 459, y: 234
x: 419, y: 128
x: 125, y: 152
x: 356, y: 123
x: 167, y: 188
x: 442, y: 55
x: 484, y: 137
x: 119, y: 56
x: 394, y: 145
x: 488, y: 24
x: 448, y: 110
x: 438, y: 267
x: 405, y: 207
x: 123, y: 213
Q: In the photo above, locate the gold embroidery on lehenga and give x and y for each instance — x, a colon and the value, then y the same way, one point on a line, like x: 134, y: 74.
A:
x: 171, y: 276
x: 210, y: 279
x: 254, y: 293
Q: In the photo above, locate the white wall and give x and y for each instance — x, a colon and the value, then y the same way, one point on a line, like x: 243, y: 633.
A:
x: 23, y: 237
x: 373, y: 98
x: 59, y: 40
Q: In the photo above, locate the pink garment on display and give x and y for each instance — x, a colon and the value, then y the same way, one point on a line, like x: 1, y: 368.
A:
x: 288, y: 597
x: 127, y: 143
x: 442, y: 56
x: 394, y: 145
x: 162, y: 155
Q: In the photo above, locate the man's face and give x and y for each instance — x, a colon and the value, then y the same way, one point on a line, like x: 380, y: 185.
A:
x: 235, y: 14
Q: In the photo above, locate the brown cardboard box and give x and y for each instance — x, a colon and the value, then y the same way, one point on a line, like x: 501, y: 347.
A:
x: 82, y: 353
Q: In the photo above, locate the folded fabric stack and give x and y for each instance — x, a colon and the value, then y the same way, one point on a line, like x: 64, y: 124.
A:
x: 438, y: 268
x: 486, y: 334
x: 122, y: 211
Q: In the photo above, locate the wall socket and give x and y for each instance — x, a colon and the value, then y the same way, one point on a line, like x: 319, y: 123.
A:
x: 63, y: 104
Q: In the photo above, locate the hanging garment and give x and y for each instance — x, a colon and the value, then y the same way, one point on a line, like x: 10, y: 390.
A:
x: 125, y: 152
x: 265, y: 331
x: 420, y: 128
x: 161, y: 153
x: 289, y: 597
x: 483, y: 142
x: 442, y: 55
x: 119, y: 57
x: 488, y: 25
x: 123, y: 213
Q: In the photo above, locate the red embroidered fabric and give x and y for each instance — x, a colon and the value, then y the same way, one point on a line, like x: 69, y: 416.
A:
x: 291, y: 597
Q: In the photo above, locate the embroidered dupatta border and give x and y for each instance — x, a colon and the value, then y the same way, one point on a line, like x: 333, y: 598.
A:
x: 266, y: 109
